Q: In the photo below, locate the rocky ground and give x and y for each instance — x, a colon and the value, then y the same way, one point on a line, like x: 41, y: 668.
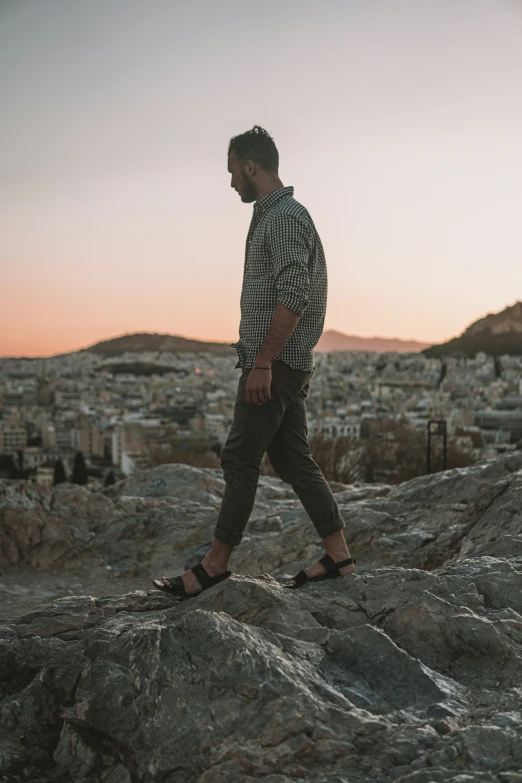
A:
x: 409, y: 671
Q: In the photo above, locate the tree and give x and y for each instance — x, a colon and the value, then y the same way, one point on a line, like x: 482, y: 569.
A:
x: 395, y: 451
x: 340, y: 458
x: 109, y: 479
x: 79, y: 473
x: 59, y: 476
x: 392, y: 452
x: 8, y: 468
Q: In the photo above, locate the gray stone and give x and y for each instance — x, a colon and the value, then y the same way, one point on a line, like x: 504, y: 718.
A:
x: 440, y: 711
x: 408, y: 670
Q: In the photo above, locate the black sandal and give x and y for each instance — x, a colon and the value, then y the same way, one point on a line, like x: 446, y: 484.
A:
x: 332, y: 572
x: 177, y: 587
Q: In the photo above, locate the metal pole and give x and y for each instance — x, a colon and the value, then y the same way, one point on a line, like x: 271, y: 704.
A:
x: 440, y: 428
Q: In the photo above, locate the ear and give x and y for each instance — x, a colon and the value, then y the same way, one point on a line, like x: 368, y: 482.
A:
x: 250, y: 168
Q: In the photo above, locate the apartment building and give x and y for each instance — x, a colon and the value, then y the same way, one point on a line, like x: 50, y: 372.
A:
x: 13, y: 436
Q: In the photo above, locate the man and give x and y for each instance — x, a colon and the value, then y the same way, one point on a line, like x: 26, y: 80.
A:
x: 283, y: 304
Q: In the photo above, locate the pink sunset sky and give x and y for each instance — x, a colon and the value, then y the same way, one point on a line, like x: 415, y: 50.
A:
x: 398, y: 122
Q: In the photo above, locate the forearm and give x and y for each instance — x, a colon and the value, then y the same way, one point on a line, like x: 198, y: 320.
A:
x: 282, y: 325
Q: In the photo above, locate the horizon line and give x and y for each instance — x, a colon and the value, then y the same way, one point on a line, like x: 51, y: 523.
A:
x: 203, y: 340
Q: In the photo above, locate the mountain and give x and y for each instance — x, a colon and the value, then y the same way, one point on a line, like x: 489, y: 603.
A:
x: 332, y: 340
x: 135, y: 343
x: 495, y: 334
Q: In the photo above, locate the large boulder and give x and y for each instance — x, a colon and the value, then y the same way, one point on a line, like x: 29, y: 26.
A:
x: 45, y: 527
x: 165, y: 517
x: 408, y: 671
x: 395, y: 675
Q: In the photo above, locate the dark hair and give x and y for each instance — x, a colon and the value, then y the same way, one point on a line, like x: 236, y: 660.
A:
x: 257, y: 145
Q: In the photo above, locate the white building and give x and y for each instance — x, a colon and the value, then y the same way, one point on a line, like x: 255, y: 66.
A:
x: 13, y: 437
x: 336, y: 427
x: 45, y: 475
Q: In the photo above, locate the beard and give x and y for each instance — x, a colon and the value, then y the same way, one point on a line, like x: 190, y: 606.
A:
x: 249, y: 192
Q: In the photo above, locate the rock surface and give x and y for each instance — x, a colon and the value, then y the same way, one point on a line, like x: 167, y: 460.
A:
x: 408, y: 671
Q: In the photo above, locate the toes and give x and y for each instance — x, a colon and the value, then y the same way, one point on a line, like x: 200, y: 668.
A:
x: 191, y: 589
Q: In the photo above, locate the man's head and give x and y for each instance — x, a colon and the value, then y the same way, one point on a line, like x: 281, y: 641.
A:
x: 253, y: 162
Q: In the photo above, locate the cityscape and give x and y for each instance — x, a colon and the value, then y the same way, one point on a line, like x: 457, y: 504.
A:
x: 122, y: 412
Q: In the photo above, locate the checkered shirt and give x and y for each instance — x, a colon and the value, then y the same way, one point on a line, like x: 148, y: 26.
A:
x: 284, y: 262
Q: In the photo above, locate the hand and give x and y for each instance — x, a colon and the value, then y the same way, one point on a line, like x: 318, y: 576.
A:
x: 258, y: 384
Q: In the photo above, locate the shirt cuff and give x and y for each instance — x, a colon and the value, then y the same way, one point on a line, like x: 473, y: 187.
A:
x: 297, y: 304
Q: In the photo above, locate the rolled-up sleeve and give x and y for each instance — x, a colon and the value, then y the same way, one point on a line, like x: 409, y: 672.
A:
x: 289, y: 245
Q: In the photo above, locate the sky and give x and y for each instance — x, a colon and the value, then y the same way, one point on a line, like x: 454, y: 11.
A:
x: 398, y: 122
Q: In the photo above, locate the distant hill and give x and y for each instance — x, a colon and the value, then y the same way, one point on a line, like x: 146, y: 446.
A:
x: 135, y: 343
x: 330, y: 341
x: 337, y: 341
x: 495, y: 334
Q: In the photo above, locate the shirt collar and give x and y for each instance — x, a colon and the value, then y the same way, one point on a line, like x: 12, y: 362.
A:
x: 272, y: 198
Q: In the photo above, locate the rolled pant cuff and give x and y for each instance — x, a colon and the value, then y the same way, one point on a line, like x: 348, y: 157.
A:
x: 226, y: 537
x: 332, y: 527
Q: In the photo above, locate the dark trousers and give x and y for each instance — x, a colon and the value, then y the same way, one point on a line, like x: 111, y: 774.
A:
x: 279, y: 428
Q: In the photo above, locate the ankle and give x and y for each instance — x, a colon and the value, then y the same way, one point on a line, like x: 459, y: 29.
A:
x: 338, y: 554
x: 214, y: 566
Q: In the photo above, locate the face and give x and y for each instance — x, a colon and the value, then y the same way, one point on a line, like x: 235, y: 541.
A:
x: 240, y: 180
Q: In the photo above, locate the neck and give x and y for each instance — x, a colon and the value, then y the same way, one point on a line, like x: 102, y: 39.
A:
x: 271, y: 184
